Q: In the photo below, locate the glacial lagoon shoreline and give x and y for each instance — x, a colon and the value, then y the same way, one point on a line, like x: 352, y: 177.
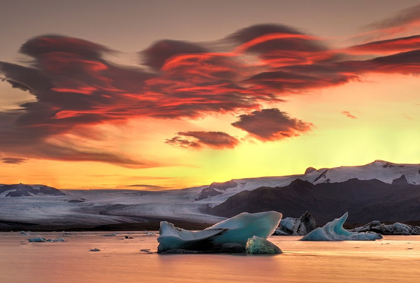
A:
x: 120, y: 259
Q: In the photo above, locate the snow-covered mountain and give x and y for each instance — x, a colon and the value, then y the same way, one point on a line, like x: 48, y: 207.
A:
x: 21, y: 190
x: 91, y: 208
x: 384, y: 171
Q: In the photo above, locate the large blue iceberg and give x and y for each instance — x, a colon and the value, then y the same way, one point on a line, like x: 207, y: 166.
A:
x: 334, y: 231
x: 228, y: 235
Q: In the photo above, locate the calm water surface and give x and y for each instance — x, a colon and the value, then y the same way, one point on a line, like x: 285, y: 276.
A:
x: 394, y: 259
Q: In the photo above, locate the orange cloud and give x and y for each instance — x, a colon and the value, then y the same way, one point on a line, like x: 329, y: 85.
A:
x: 272, y: 124
x: 199, y: 139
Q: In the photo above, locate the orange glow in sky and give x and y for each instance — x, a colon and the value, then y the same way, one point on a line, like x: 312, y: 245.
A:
x: 260, y: 100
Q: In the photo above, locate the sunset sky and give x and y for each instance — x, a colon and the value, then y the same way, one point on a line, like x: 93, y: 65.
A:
x: 172, y: 94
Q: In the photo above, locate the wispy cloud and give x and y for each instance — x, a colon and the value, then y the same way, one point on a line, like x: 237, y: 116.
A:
x: 13, y: 160
x: 348, y: 114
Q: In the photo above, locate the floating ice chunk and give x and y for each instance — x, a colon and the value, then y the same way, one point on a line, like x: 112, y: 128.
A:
x: 95, y: 250
x: 334, y: 231
x: 236, y: 230
x: 110, y: 235
x: 257, y: 245
x: 173, y: 238
x: 42, y: 239
x: 296, y: 226
x: 245, y: 225
x: 391, y: 229
x: 37, y: 239
x: 23, y: 233
x: 55, y: 240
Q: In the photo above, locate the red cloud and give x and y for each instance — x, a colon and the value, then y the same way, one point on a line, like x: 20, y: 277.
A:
x: 76, y: 86
x: 388, y: 46
x: 199, y: 139
x: 272, y: 124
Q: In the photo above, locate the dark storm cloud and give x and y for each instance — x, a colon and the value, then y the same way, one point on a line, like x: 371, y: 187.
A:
x: 272, y: 124
x: 199, y: 139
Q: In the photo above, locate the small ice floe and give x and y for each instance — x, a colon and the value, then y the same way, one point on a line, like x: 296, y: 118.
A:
x: 56, y: 240
x: 23, y: 233
x: 37, y: 240
x: 334, y: 231
x: 148, y: 233
x: 95, y: 250
x: 146, y: 251
x: 110, y: 235
x: 257, y: 245
x: 228, y: 236
x: 42, y: 239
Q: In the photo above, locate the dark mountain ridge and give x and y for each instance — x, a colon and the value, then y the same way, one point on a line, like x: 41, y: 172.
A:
x: 365, y: 201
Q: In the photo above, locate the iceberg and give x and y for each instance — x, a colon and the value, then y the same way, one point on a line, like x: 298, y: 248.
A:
x: 42, y: 239
x: 334, y: 231
x: 296, y: 226
x: 56, y: 240
x: 390, y: 229
x: 37, y: 240
x: 226, y: 236
x: 257, y: 245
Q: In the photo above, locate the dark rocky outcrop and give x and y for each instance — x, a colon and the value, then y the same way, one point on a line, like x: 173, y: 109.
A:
x: 401, y: 181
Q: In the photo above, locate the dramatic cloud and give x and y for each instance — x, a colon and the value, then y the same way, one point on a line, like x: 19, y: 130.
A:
x: 271, y: 124
x: 13, y: 160
x: 348, y: 114
x: 387, y: 46
x: 405, y: 20
x: 199, y: 139
x: 75, y: 86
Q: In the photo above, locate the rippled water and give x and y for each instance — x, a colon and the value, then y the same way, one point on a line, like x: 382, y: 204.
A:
x: 394, y: 259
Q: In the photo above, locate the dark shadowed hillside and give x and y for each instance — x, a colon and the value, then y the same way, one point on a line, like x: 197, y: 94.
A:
x: 364, y: 200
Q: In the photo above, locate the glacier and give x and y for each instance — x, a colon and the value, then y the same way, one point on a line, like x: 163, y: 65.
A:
x: 226, y: 236
x: 334, y: 231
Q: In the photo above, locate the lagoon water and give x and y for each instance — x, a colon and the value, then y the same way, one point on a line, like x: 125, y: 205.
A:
x: 393, y: 259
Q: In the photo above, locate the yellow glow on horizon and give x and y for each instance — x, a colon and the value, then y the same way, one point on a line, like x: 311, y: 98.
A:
x: 387, y: 110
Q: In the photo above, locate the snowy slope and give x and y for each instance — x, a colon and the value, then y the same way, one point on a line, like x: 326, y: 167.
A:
x: 379, y: 169
x: 98, y: 207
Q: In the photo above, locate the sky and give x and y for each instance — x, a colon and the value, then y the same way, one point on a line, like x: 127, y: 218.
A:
x: 172, y: 94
